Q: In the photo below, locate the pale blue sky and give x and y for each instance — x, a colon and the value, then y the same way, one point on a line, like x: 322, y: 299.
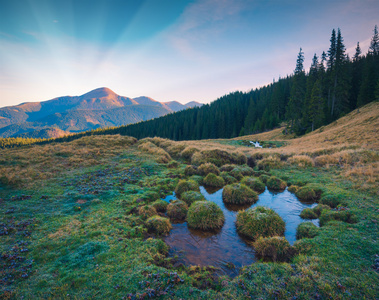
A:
x: 166, y: 49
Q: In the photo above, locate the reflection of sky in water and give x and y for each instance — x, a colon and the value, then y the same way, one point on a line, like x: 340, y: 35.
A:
x: 225, y: 245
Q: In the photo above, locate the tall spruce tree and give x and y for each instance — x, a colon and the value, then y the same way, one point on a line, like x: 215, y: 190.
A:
x: 374, y: 45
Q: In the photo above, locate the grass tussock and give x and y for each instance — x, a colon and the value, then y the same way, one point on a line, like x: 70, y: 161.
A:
x: 190, y: 170
x: 205, y: 169
x: 147, y: 211
x: 185, y: 186
x: 158, y: 225
x: 306, y: 194
x: 306, y: 230
x: 205, y: 215
x: 276, y: 184
x: 149, y: 147
x: 177, y: 210
x: 254, y: 183
x: 337, y: 215
x: 271, y: 162
x: 213, y: 180
x: 308, y: 213
x: 276, y: 249
x: 258, y: 222
x: 160, y: 205
x: 218, y: 157
x: 238, y: 193
x: 293, y: 189
x: 239, y: 172
x: 301, y: 161
x: 228, y: 178
x: 191, y: 197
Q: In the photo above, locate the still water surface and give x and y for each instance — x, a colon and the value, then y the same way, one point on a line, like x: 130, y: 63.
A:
x: 196, y: 247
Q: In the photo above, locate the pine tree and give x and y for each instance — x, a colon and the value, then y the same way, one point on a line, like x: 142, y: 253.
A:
x: 374, y: 45
x: 358, y: 53
x: 332, y: 51
x: 316, y: 106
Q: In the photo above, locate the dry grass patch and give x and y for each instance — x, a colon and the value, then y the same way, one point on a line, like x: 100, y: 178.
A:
x: 302, y: 161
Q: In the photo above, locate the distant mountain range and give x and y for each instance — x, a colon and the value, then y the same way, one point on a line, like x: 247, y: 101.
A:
x: 98, y: 108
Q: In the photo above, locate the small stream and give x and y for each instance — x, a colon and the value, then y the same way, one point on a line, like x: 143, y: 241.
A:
x: 226, y: 246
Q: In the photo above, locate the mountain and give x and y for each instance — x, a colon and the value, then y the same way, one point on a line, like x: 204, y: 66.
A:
x: 98, y: 108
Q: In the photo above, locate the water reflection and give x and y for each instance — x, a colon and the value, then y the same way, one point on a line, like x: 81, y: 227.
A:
x: 224, y: 246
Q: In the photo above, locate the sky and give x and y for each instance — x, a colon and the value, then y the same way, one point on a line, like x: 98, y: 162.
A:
x: 168, y: 50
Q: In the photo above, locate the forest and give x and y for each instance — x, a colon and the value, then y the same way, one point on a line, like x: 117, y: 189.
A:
x: 334, y: 85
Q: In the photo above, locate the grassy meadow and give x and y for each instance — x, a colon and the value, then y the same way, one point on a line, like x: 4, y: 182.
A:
x: 71, y: 226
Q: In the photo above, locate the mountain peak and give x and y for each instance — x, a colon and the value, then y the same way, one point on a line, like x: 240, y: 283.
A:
x: 102, y: 92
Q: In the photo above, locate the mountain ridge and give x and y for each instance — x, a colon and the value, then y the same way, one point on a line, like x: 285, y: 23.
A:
x: 96, y: 108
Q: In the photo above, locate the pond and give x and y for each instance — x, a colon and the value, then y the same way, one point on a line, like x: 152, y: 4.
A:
x: 226, y: 249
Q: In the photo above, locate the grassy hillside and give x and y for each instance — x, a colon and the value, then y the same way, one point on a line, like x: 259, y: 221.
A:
x: 70, y: 226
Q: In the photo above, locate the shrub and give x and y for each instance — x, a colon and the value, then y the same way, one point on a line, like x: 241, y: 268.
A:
x: 190, y: 170
x: 276, y: 184
x: 306, y: 230
x: 177, y: 210
x: 160, y: 205
x: 207, y: 168
x: 319, y: 208
x: 240, y: 171
x: 293, y: 188
x: 218, y: 157
x: 333, y: 215
x: 332, y: 200
x: 214, y: 180
x: 308, y: 213
x: 158, y: 224
x: 302, y: 161
x: 306, y: 193
x: 274, y: 249
x: 264, y: 178
x: 259, y: 221
x: 191, y: 197
x: 227, y: 178
x: 254, y: 183
x: 205, y: 215
x: 147, y: 211
x: 185, y: 186
x: 238, y: 193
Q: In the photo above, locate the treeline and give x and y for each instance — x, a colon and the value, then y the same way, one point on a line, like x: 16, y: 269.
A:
x: 334, y: 85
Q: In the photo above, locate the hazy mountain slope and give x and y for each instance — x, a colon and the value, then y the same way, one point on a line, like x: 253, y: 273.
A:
x: 45, y: 133
x: 97, y: 108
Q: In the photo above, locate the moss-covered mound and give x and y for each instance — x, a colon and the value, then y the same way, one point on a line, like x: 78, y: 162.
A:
x: 197, y: 178
x: 205, y: 215
x: 274, y: 249
x: 147, y: 211
x: 293, y: 188
x: 254, y: 183
x: 227, y: 168
x: 191, y: 197
x: 275, y: 183
x: 188, y: 152
x: 306, y: 193
x: 308, y: 213
x: 332, y: 200
x: 259, y: 221
x: 185, y: 186
x: 227, y: 178
x: 333, y: 215
x: 205, y: 169
x: 190, y: 170
x: 240, y: 171
x: 177, y: 210
x: 238, y: 193
x: 158, y: 225
x: 213, y: 180
x: 160, y: 205
x: 306, y: 230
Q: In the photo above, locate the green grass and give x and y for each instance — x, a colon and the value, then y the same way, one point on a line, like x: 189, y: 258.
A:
x: 82, y: 237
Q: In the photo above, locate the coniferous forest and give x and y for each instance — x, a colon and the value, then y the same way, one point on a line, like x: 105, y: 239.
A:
x: 334, y: 85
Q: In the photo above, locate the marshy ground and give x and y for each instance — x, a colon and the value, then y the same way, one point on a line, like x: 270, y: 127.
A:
x: 70, y: 225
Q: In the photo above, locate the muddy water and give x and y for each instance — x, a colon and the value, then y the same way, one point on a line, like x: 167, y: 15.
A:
x: 225, y: 249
